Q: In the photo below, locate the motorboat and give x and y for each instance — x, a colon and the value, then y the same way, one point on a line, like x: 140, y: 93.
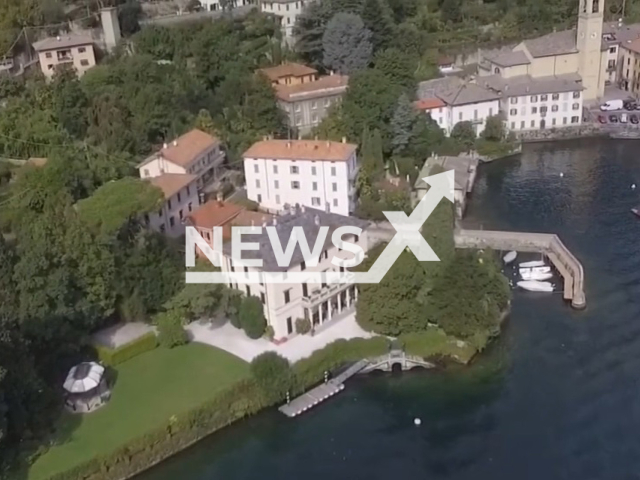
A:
x: 510, y: 257
x: 545, y: 269
x: 636, y: 211
x: 534, y: 263
x: 535, y: 286
x: 536, y: 275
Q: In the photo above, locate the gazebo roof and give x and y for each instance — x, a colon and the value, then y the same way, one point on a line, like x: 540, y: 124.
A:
x: 84, y: 377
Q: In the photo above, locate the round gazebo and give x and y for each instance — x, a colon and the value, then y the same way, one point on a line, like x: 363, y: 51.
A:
x: 86, y: 388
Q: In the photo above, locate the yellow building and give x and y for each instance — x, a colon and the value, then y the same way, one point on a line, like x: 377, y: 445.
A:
x: 581, y: 50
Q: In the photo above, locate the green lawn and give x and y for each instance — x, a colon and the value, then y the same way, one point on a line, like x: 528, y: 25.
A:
x: 149, y: 389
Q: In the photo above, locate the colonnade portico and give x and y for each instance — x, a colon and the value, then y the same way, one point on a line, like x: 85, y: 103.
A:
x: 326, y: 309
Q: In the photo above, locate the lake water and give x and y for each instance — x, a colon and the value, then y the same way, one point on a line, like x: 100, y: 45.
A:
x: 556, y: 397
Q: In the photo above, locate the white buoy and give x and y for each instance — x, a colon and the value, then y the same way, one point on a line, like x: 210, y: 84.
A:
x: 561, y: 174
x: 633, y: 186
x: 417, y: 421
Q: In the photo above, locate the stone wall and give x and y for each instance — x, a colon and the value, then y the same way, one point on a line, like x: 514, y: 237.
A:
x: 565, y: 133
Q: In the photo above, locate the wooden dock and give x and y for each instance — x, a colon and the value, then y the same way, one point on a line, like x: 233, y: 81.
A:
x: 546, y: 243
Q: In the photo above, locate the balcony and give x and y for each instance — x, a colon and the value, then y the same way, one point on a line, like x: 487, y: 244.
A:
x: 322, y: 294
x: 64, y: 57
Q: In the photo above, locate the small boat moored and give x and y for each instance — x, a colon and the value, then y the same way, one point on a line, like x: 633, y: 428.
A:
x: 536, y: 275
x: 535, y: 286
x: 545, y: 269
x: 636, y: 211
x: 510, y: 257
x: 534, y: 263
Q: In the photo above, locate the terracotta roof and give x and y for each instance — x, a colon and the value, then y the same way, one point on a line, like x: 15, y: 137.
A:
x: 327, y: 85
x: 248, y: 218
x: 172, y: 183
x: 214, y: 213
x: 287, y: 70
x: 301, y: 150
x: 429, y: 103
x: 37, y: 161
x: 184, y: 149
x: 66, y: 41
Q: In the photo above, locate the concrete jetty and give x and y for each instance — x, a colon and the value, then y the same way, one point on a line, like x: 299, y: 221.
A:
x: 546, y: 243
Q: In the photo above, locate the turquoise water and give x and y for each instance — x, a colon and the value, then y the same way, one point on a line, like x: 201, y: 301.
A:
x: 556, y: 397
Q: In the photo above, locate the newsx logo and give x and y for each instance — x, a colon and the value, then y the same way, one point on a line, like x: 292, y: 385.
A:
x: 408, y: 236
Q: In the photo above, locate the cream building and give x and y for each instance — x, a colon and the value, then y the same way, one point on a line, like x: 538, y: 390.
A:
x: 287, y: 11
x: 317, y: 302
x: 181, y: 198
x: 195, y: 153
x: 313, y: 173
x: 582, y: 51
x: 73, y: 50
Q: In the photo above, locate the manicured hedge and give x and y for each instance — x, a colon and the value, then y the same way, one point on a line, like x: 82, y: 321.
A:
x: 241, y: 400
x: 115, y: 356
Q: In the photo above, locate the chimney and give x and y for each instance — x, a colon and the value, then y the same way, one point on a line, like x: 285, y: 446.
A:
x: 164, y: 145
x: 219, y: 198
x: 316, y: 220
x: 175, y: 143
x: 328, y: 144
x: 289, y: 144
x: 316, y: 137
x: 58, y: 38
x: 275, y: 221
x: 344, y: 139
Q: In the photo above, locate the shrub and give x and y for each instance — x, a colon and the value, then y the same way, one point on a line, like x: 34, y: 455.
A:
x: 171, y: 333
x: 252, y: 317
x: 115, y: 356
x: 303, y: 326
x: 272, y: 373
x: 435, y: 343
x: 233, y: 310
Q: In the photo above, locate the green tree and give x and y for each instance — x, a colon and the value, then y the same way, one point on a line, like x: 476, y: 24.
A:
x: 494, y: 129
x: 464, y: 134
x: 398, y: 66
x: 346, y: 44
x: 197, y: 301
x: 273, y: 375
x: 69, y: 102
x: 402, y: 123
x: 377, y: 17
x: 303, y: 326
x: 128, y: 15
x: 252, y: 317
x: 171, y: 332
x: 390, y: 307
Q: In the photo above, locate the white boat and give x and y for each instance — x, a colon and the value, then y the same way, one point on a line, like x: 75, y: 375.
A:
x: 510, y: 257
x: 535, y: 286
x: 535, y: 270
x: 536, y: 276
x: 534, y: 263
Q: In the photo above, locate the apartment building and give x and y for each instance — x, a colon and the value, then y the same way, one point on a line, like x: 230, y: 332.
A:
x: 287, y: 11
x: 72, y: 50
x: 194, y: 153
x: 317, y: 302
x: 313, y: 173
x: 537, y: 103
x: 181, y: 198
x: 464, y: 102
x: 305, y: 97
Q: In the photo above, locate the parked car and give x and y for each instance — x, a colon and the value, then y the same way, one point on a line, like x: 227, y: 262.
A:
x: 602, y: 119
x: 612, y: 105
x: 633, y: 118
x: 613, y: 118
x: 629, y: 105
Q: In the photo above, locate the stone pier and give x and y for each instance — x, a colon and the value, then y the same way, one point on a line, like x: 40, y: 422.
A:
x: 545, y: 243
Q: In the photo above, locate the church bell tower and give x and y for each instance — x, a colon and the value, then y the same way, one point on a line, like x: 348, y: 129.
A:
x: 589, y: 43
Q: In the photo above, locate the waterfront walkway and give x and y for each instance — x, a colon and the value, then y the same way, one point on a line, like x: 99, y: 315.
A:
x: 546, y: 243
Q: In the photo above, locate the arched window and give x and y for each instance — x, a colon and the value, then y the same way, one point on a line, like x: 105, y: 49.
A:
x: 595, y: 7
x: 496, y: 70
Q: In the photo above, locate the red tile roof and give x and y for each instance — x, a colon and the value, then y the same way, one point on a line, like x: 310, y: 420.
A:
x: 315, y: 150
x: 429, y: 103
x: 184, y: 149
x: 214, y: 213
x: 172, y: 183
x: 324, y: 86
x: 287, y: 70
